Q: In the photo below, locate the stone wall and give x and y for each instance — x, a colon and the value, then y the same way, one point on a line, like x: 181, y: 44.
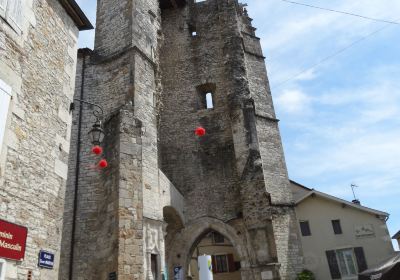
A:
x: 38, y: 62
x: 150, y: 71
x: 237, y: 172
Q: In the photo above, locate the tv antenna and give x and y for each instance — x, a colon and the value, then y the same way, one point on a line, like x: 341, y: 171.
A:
x: 353, y: 186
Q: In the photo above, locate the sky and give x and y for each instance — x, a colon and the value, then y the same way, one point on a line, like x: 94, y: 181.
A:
x: 340, y: 120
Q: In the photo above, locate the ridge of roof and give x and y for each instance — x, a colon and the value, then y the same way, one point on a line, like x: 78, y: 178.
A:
x: 338, y: 200
x: 77, y: 15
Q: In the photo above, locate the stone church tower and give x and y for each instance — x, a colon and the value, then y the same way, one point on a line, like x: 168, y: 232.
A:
x: 156, y: 68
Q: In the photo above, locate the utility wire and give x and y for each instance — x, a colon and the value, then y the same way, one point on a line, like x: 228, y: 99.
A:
x: 342, y: 12
x: 331, y: 56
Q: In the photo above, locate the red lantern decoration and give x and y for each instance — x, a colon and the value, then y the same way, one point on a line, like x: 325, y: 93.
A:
x: 97, y: 150
x: 200, y: 131
x: 103, y: 163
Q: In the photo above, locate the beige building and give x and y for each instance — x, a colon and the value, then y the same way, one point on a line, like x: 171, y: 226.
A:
x: 339, y: 238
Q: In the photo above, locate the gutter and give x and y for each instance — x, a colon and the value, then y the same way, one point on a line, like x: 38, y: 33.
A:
x: 77, y: 169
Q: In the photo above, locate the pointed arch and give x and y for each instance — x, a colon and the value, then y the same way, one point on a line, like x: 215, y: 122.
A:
x: 182, y: 245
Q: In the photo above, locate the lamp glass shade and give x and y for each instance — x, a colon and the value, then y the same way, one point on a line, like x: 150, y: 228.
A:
x: 96, y: 134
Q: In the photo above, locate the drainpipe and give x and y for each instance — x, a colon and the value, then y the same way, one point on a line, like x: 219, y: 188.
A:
x: 77, y: 165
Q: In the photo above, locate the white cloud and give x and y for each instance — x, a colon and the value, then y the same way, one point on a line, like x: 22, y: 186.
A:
x: 293, y: 102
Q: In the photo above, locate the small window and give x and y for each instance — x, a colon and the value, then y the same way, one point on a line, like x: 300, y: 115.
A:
x: 337, y: 228
x: 305, y: 228
x: 192, y: 30
x: 218, y: 238
x: 209, y: 100
x: 206, y: 95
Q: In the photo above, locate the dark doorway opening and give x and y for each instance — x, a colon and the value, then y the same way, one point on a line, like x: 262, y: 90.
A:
x: 154, y: 266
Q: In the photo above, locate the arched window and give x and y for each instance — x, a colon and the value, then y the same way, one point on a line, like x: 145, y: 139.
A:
x: 206, y: 96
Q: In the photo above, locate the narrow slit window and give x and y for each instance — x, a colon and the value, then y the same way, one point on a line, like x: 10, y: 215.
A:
x: 209, y: 101
x: 192, y: 30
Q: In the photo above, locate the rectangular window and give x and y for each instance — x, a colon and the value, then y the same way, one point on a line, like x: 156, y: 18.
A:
x: 5, y: 97
x: 347, y: 263
x: 221, y: 263
x: 209, y: 100
x: 206, y: 94
x: 305, y: 228
x: 337, y: 228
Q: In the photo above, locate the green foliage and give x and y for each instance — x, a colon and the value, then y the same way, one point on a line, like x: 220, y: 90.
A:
x: 306, y: 275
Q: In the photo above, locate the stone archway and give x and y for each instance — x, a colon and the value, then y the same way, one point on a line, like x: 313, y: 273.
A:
x: 182, y: 244
x: 224, y: 257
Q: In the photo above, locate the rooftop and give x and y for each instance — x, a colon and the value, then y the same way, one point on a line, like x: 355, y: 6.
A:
x: 78, y: 16
x: 307, y: 192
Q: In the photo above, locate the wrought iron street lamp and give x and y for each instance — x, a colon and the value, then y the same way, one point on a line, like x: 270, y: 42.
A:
x: 97, y: 132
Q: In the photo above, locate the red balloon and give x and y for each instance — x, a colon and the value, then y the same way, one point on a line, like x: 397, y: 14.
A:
x: 103, y: 163
x: 97, y: 150
x: 200, y: 131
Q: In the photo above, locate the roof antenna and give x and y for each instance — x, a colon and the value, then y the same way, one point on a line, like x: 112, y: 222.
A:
x: 355, y: 201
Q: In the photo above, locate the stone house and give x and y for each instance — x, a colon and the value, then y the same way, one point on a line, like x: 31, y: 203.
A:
x: 339, y: 238
x: 38, y: 45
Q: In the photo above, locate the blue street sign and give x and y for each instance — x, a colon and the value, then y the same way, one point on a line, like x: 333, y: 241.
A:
x: 46, y: 259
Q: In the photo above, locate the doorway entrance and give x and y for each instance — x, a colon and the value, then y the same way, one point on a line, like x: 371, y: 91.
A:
x: 225, y: 261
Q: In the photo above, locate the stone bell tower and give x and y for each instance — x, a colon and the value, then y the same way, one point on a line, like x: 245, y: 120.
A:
x: 159, y: 69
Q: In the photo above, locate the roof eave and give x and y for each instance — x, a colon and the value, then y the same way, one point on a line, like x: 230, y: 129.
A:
x: 339, y: 200
x: 77, y: 15
x: 300, y: 185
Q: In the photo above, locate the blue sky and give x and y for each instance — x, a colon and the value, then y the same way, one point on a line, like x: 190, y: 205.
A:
x: 340, y: 121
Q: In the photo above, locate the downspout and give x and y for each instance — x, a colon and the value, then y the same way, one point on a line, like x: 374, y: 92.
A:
x: 77, y: 165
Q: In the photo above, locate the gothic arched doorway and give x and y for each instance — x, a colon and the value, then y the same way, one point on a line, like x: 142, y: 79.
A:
x: 182, y: 245
x: 225, y: 260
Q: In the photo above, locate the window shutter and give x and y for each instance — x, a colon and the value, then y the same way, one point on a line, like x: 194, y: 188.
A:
x: 361, y: 261
x: 14, y: 13
x: 3, y: 8
x: 214, y: 264
x: 333, y: 265
x: 231, y: 263
x: 5, y: 96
